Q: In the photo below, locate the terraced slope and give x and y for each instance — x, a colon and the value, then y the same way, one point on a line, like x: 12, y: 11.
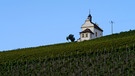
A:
x: 112, y: 55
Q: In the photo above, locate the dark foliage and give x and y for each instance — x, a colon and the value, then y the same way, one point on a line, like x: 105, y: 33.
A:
x: 71, y: 38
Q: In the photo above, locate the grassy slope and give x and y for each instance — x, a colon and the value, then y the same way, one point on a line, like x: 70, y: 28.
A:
x: 109, y: 55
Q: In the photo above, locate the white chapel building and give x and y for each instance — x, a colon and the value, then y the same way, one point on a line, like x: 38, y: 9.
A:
x: 90, y: 30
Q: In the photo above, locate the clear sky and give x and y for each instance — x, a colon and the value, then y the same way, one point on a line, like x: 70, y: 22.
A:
x: 31, y: 23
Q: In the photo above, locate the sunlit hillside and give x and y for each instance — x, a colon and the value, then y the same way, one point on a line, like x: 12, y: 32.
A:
x: 112, y: 55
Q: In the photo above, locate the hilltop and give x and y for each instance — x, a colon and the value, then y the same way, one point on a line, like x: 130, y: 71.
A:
x: 109, y: 55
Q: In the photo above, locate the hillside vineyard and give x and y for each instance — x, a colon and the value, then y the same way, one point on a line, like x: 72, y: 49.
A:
x: 112, y: 55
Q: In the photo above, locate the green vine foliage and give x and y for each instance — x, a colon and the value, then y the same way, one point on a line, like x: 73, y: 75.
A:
x: 112, y: 55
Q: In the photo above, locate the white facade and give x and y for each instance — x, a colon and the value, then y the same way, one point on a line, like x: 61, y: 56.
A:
x: 90, y: 30
x: 86, y: 36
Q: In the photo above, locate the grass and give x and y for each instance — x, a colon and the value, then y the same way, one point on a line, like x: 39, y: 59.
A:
x: 112, y: 55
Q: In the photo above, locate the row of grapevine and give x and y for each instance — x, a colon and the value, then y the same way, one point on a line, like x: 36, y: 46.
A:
x: 118, y: 61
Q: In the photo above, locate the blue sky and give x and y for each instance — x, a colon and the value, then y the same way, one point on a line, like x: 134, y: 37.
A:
x: 31, y: 23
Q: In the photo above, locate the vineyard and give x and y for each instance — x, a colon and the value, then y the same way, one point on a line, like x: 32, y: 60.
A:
x: 112, y: 55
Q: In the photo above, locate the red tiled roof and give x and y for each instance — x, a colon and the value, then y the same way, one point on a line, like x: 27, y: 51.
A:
x: 87, y: 31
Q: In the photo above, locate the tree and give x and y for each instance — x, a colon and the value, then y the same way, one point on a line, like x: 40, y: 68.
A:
x: 71, y: 38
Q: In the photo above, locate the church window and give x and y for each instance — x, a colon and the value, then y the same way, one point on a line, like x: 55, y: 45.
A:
x: 86, y: 35
x: 82, y: 35
x: 96, y: 34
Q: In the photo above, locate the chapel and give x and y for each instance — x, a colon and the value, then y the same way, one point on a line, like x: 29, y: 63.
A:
x: 90, y: 30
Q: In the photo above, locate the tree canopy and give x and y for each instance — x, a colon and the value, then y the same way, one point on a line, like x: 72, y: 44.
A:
x: 71, y: 38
